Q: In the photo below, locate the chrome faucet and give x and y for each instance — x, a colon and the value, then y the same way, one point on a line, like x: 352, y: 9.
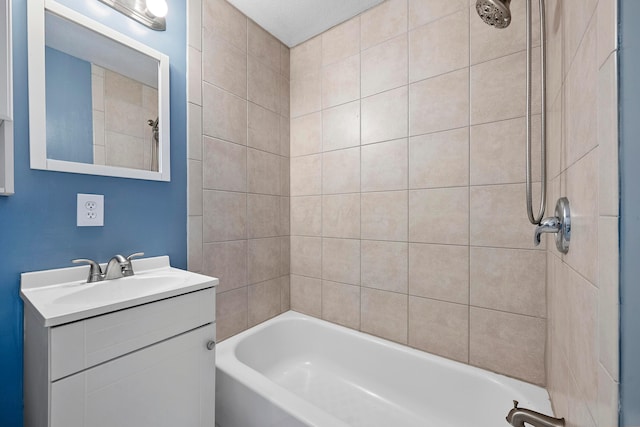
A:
x: 560, y: 224
x: 117, y: 268
x: 518, y: 416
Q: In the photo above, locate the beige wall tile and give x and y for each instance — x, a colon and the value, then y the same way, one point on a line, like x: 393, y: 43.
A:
x: 263, y: 85
x: 263, y: 46
x: 285, y: 176
x: 224, y: 115
x: 498, y: 88
x: 306, y: 134
x: 581, y: 91
x: 384, y: 314
x: 306, y: 94
x: 423, y: 11
x: 581, y: 190
x: 285, y: 140
x: 341, y: 41
x: 194, y: 24
x: 508, y: 343
x: 306, y: 216
x: 263, y: 301
x: 341, y: 304
x: 384, y: 116
x: 497, y: 151
x: 440, y: 272
x: 194, y: 78
x: 306, y: 253
x: 223, y: 64
x: 263, y: 172
x: 285, y: 293
x: 384, y: 265
x: 194, y: 206
x: 263, y: 259
x: 306, y: 295
x: 285, y: 61
x: 608, y: 294
x: 577, y: 17
x: 383, y: 22
x: 607, y: 399
x: 194, y: 248
x: 439, y: 216
x: 487, y: 43
x: 285, y: 255
x: 306, y: 58
x: 384, y: 66
x: 264, y: 129
x: 224, y: 216
x: 439, y: 327
x: 510, y: 280
x: 228, y: 262
x: 225, y: 21
x: 231, y: 313
x: 341, y: 126
x: 607, y: 17
x: 306, y: 175
x: 194, y: 136
x: 341, y: 82
x: 608, y: 136
x: 384, y: 166
x: 341, y: 216
x: 341, y: 260
x: 285, y: 96
x: 263, y: 216
x: 439, y: 159
x: 341, y: 171
x: 439, y: 103
x: 504, y: 202
x: 439, y: 47
x: 384, y: 216
x: 225, y: 165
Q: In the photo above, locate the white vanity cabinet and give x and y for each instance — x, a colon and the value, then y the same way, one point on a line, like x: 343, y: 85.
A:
x: 150, y: 364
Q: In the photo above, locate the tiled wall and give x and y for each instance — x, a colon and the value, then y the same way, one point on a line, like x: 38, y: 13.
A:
x: 121, y: 108
x: 238, y: 149
x: 582, y: 286
x: 407, y: 184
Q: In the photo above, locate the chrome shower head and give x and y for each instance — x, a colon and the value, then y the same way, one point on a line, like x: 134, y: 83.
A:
x: 494, y: 12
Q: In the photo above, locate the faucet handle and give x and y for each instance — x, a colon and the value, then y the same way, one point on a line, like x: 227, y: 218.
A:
x: 135, y: 255
x: 515, y: 404
x: 95, y: 272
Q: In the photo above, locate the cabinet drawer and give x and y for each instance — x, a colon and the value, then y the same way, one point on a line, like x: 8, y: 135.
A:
x: 81, y: 345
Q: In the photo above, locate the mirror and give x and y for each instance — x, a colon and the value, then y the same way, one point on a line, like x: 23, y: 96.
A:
x: 98, y: 100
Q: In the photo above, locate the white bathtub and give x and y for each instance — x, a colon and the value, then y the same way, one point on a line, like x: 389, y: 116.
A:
x: 295, y: 370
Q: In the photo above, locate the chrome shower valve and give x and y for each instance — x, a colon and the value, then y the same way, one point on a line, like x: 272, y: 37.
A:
x: 560, y: 224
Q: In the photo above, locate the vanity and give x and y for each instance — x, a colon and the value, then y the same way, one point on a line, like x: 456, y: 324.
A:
x: 134, y: 351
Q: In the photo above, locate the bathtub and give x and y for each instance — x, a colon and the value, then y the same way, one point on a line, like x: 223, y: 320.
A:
x: 295, y: 370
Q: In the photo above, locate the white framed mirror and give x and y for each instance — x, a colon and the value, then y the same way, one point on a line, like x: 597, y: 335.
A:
x: 98, y: 100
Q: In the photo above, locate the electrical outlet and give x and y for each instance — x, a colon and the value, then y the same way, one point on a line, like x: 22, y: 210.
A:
x: 90, y: 210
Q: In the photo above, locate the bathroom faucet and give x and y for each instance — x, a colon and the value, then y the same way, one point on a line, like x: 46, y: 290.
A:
x: 117, y: 267
x: 547, y: 225
x: 560, y: 224
x: 518, y: 416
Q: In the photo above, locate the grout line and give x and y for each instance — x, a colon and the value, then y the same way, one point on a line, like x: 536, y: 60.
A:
x: 469, y: 189
x: 407, y: 173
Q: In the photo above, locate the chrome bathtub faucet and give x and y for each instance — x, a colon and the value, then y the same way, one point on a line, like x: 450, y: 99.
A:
x: 118, y: 267
x: 518, y: 416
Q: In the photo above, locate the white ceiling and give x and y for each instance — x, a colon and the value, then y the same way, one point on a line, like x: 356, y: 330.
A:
x: 294, y: 21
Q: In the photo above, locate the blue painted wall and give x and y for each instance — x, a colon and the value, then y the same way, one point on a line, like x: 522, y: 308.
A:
x: 37, y: 224
x: 629, y: 213
x: 69, y: 107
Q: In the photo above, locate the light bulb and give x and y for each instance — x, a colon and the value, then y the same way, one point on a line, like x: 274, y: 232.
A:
x: 157, y: 8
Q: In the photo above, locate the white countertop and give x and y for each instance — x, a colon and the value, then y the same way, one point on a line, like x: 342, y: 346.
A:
x: 62, y: 295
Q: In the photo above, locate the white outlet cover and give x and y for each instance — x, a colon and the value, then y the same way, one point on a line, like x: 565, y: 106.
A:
x: 90, y: 210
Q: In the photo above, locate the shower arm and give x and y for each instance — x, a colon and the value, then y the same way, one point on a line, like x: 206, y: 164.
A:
x: 543, y: 124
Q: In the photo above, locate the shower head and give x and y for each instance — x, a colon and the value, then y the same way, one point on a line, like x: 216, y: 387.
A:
x: 494, y: 12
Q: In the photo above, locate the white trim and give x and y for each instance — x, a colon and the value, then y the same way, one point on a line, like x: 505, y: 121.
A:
x: 6, y: 109
x: 37, y: 102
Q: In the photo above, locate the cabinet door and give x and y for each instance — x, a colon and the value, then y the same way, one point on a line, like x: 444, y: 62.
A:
x: 168, y: 384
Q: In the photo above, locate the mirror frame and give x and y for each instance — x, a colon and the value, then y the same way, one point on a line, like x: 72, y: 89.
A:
x: 37, y: 91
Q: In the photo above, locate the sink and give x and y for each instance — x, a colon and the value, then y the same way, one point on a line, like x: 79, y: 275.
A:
x: 110, y: 291
x: 63, y: 295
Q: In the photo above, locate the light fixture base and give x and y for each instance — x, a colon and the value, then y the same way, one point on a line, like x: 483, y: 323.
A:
x: 137, y: 10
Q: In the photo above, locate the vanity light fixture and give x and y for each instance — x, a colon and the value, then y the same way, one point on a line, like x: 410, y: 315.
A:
x: 147, y: 12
